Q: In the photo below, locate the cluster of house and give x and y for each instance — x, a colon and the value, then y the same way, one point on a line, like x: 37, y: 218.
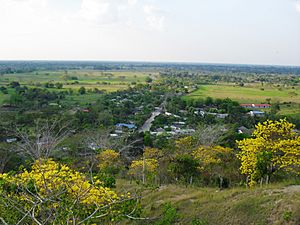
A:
x: 256, y: 106
x: 120, y: 128
x: 202, y: 112
x: 176, y: 128
x: 119, y: 100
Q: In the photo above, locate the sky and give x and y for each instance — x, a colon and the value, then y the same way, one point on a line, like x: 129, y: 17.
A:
x: 205, y: 31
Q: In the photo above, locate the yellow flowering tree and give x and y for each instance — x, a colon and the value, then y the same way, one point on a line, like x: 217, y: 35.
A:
x: 144, y: 169
x: 274, y: 147
x: 185, y: 144
x: 152, y: 153
x: 52, y: 193
x: 109, y: 164
x: 213, y: 160
x: 147, y: 167
x: 109, y: 161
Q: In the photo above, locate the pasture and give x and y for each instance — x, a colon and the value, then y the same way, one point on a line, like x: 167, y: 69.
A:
x: 92, y: 78
x: 108, y: 81
x: 248, y: 93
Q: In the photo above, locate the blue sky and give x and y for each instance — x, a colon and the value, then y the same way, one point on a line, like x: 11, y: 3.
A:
x: 214, y: 31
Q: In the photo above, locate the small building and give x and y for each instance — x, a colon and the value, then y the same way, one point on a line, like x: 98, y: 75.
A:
x: 11, y: 140
x: 93, y: 146
x: 256, y: 106
x: 126, y: 125
x: 54, y: 104
x: 200, y: 112
x: 185, y: 131
x: 256, y: 113
x: 243, y: 130
x: 160, y: 130
x: 179, y: 123
x: 222, y: 115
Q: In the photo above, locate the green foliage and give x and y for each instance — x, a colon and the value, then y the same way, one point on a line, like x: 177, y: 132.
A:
x: 82, y: 90
x: 197, y: 221
x: 107, y: 179
x: 169, y: 215
x: 185, y: 167
x: 148, y: 79
x: 287, y: 216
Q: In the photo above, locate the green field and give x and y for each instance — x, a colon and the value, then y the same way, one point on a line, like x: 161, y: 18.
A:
x: 85, y: 77
x: 247, y: 94
x: 109, y: 81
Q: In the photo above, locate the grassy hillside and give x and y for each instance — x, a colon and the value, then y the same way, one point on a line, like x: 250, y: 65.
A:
x: 276, y: 204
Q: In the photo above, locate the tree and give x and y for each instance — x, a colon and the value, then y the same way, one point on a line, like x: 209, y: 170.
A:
x: 144, y: 169
x: 4, y: 90
x: 59, y: 85
x: 273, y: 147
x: 14, y: 84
x: 82, y: 90
x: 275, y: 108
x: 109, y: 161
x: 147, y: 167
x: 148, y: 79
x: 52, y: 193
x: 185, y: 167
x: 41, y: 141
x: 214, y: 160
x: 208, y: 135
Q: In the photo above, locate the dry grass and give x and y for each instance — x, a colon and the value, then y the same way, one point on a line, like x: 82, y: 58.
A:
x: 275, y: 204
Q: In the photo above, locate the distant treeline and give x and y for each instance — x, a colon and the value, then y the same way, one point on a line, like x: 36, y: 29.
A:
x: 30, y: 66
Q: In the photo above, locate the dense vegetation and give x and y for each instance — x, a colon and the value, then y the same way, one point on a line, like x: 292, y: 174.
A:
x: 101, y: 143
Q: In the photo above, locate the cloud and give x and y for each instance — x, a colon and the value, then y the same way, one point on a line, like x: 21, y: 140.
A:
x: 22, y: 16
x: 298, y: 6
x: 126, y: 13
x: 132, y: 2
x: 40, y: 18
x: 101, y: 11
x: 106, y: 12
x: 155, y: 17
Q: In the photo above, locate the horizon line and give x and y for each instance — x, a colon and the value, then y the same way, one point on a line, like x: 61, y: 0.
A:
x: 147, y: 61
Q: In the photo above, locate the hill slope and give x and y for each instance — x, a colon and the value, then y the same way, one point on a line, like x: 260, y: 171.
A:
x: 270, y: 205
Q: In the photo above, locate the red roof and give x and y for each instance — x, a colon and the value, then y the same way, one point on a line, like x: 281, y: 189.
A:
x: 254, y: 105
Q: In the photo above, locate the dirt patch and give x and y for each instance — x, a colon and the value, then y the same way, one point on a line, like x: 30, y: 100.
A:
x: 292, y: 189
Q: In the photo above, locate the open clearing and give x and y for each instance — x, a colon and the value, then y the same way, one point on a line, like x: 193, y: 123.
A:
x: 74, y: 78
x: 109, y: 81
x: 247, y: 94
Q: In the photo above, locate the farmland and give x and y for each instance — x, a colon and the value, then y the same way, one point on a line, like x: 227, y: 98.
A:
x: 90, y: 78
x: 74, y: 79
x: 248, y: 94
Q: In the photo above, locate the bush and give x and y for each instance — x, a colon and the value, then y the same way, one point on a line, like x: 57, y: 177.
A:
x: 169, y: 215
